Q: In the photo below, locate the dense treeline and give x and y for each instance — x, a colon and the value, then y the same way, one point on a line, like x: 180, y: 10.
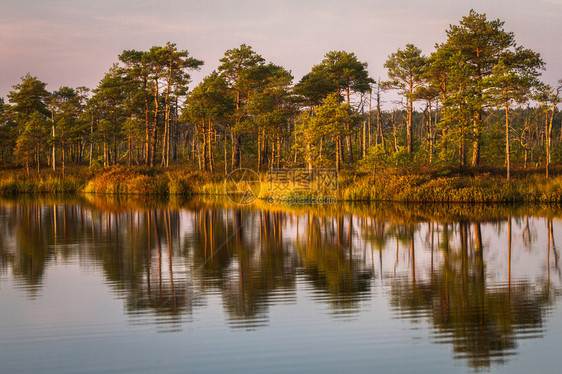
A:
x: 476, y: 100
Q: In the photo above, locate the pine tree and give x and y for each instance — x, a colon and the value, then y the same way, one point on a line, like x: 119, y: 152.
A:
x: 406, y: 71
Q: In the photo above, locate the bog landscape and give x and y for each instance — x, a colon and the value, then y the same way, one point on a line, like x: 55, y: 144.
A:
x: 249, y: 221
x: 476, y: 124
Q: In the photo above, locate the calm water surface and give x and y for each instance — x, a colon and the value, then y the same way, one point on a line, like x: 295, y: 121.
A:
x: 93, y: 285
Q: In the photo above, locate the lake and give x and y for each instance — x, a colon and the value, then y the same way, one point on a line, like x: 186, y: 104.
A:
x: 98, y: 285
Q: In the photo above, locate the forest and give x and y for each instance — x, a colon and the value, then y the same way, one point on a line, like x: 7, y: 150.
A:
x: 475, y: 103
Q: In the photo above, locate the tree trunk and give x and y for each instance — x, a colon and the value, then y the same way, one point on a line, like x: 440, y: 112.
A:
x: 105, y: 152
x: 507, y: 160
x: 192, y: 145
x: 430, y: 133
x: 154, y: 133
x: 236, y: 157
x: 259, y: 149
x: 278, y: 142
x: 115, y: 150
x: 198, y: 153
x: 309, y: 157
x: 236, y: 137
x: 364, y: 139
x: 54, y: 155
x: 394, y: 133
x: 165, y: 147
x: 153, y: 141
x: 369, y: 119
x: 379, y: 122
x: 177, y: 132
x: 146, y: 126
x: 349, y: 147
x: 409, y: 125
x: 37, y: 159
x: 338, y: 152
x: 476, y: 141
x: 209, y: 146
x: 166, y: 138
x: 205, y: 145
x: 91, y: 141
x: 225, y: 159
x: 549, y: 139
x: 348, y: 135
x: 129, y: 148
x: 63, y: 159
x: 462, y: 148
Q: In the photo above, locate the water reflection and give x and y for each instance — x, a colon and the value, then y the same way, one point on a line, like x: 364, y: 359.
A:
x: 482, y: 277
x: 482, y: 321
x: 332, y: 261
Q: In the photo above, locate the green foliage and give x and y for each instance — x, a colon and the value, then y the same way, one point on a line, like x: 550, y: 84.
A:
x: 405, y: 69
x: 339, y: 72
x: 28, y: 97
x: 324, y: 130
x: 477, y: 95
x: 377, y: 157
x: 479, y: 65
x: 32, y: 140
x: 8, y: 132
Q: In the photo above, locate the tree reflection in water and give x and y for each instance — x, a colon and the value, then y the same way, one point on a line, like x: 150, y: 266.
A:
x: 482, y: 322
x: 331, y: 262
x: 452, y: 267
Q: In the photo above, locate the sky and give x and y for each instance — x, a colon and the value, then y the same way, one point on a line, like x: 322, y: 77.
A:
x: 75, y: 42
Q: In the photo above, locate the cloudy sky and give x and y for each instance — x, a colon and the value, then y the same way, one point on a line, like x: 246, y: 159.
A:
x: 74, y: 42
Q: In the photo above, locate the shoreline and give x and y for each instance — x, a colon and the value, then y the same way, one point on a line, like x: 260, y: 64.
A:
x: 400, y: 187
